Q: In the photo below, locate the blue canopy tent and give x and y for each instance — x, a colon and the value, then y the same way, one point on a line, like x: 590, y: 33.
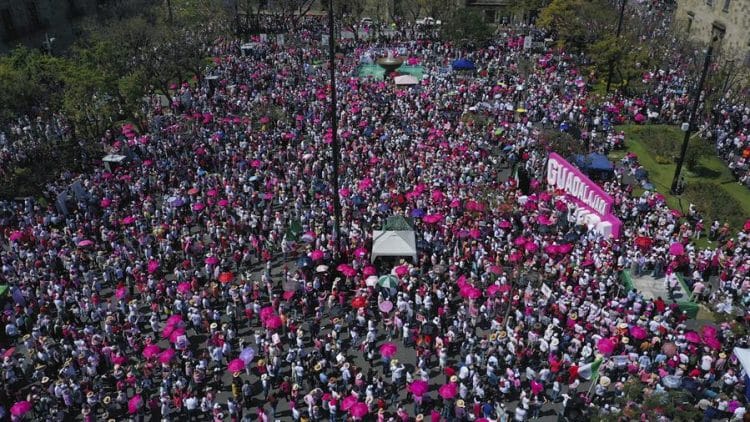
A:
x: 593, y: 162
x: 463, y: 64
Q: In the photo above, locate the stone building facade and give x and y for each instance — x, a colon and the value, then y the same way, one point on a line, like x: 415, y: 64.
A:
x: 728, y: 20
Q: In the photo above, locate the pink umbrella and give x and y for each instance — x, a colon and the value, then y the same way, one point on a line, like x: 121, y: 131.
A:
x: 15, y: 236
x: 708, y: 331
x: 347, y: 270
x: 198, y: 206
x: 676, y: 249
x: 359, y: 410
x: 369, y: 270
x: 236, y: 365
x: 505, y: 224
x: 274, y: 322
x: 85, y: 243
x: 437, y: 195
x: 212, y: 260
x: 167, y: 331
x: 692, y: 337
x: 174, y: 320
x: 360, y: 252
x: 638, y: 333
x: 386, y: 306
x: 494, y: 269
x: 606, y: 346
x: 128, y: 220
x: 712, y: 342
x: 388, y: 349
x: 520, y: 241
x: 448, y: 391
x: 176, y: 333
x: 401, y: 270
x: 530, y: 247
x: 223, y: 202
x: 151, y: 350
x: 166, y: 355
x: 105, y: 202
x: 266, y: 312
x: 316, y: 255
x: 183, y: 287
x: 348, y: 402
x: 20, y: 408
x: 134, y: 404
x: 153, y: 265
x: 419, y: 388
x: 536, y: 387
x: 432, y: 218
x: 120, y: 292
x: 288, y: 294
x: 493, y: 290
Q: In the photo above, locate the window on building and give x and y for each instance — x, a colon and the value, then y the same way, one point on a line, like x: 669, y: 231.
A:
x: 718, y: 30
x: 726, y: 6
x: 710, y: 3
x: 690, y: 17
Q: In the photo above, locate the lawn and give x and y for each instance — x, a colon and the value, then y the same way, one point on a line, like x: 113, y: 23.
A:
x: 709, y: 185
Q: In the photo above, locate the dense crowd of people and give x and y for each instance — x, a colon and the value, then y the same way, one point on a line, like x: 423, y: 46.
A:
x: 199, y: 278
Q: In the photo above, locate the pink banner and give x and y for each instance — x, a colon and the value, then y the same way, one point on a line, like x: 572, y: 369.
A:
x: 565, y: 176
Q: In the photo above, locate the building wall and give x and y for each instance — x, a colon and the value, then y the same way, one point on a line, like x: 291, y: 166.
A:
x: 701, y: 19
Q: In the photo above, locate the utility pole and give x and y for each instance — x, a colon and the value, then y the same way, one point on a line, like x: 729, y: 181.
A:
x: 691, y: 119
x: 169, y: 11
x: 334, y: 135
x: 619, y: 28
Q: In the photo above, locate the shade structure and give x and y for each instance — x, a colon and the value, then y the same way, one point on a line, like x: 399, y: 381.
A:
x: 386, y: 306
x: 134, y: 404
x: 358, y: 410
x: 236, y: 365
x: 448, y: 391
x: 247, y: 354
x: 274, y: 322
x: 20, y: 408
x: 359, y: 302
x: 394, y: 243
x: 388, y: 281
x: 151, y: 350
x: 404, y: 80
x: 463, y: 64
x: 676, y: 249
x: 348, y: 402
x: 388, y: 349
x: 419, y: 387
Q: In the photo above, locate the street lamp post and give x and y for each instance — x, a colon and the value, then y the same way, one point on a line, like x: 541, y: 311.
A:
x: 619, y: 28
x: 334, y: 135
x: 691, y: 120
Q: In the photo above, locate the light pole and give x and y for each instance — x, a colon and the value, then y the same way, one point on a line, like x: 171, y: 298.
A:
x: 619, y: 28
x: 334, y: 135
x: 691, y: 120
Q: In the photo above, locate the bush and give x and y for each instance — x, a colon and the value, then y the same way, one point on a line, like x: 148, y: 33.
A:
x: 715, y: 203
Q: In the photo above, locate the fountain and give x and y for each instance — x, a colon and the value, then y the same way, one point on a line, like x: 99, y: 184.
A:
x: 390, y: 64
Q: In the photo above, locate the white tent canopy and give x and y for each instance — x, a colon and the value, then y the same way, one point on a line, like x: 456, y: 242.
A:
x: 743, y: 355
x: 394, y: 243
x: 405, y: 80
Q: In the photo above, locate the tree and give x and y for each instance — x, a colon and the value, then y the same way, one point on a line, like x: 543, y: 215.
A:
x: 625, y: 58
x: 467, y: 27
x: 578, y: 23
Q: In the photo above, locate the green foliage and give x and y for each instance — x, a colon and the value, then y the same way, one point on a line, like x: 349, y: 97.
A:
x: 698, y: 149
x: 562, y: 143
x: 467, y: 27
x: 30, y: 80
x: 578, y: 24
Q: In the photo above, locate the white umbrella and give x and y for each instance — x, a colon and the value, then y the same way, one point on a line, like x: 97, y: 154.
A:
x: 405, y: 80
x: 321, y: 268
x: 371, y: 281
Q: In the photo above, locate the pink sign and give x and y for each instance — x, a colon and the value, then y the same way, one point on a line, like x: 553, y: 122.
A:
x: 565, y: 176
